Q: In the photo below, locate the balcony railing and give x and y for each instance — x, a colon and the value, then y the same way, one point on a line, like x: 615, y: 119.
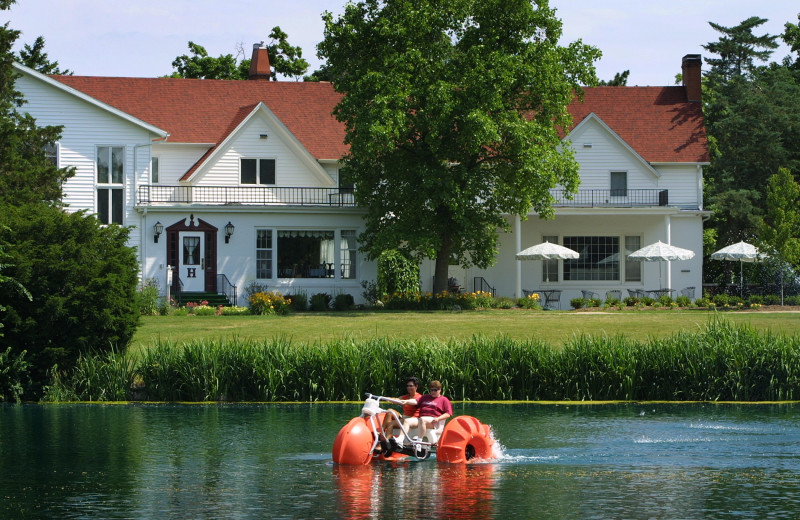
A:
x: 611, y: 198
x: 155, y: 195
x: 152, y: 194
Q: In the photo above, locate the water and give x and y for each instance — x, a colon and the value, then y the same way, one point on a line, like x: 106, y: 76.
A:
x: 273, y: 461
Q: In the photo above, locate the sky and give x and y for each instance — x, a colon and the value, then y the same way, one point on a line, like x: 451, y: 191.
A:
x: 141, y: 38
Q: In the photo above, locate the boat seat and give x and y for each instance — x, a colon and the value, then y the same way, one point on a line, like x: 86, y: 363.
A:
x: 432, y: 434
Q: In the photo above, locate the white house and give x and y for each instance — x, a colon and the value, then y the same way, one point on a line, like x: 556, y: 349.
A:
x: 238, y: 181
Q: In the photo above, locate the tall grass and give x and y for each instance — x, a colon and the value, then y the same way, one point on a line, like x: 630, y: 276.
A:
x: 720, y: 362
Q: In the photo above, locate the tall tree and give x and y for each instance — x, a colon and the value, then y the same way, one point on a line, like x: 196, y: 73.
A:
x: 752, y: 116
x: 453, y: 111
x: 781, y: 228
x: 33, y: 56
x: 26, y: 174
x: 620, y: 80
x: 285, y: 59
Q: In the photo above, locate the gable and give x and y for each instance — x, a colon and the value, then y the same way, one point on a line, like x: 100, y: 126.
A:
x: 260, y: 135
x: 599, y: 150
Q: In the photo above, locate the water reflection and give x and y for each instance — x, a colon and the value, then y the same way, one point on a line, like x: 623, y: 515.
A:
x: 409, y: 490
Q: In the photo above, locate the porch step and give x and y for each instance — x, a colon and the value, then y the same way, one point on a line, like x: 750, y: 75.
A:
x: 213, y: 299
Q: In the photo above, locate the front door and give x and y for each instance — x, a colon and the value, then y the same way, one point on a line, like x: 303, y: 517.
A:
x: 192, y: 261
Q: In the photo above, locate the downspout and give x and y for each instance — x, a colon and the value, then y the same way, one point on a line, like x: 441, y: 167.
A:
x: 142, y: 241
x: 668, y: 219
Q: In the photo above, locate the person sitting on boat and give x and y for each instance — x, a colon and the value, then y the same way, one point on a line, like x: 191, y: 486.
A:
x: 433, y: 408
x: 409, y: 402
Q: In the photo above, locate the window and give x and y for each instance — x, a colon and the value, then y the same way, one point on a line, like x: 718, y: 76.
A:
x: 110, y: 178
x: 633, y: 268
x: 348, y: 250
x: 599, y: 258
x: 51, y: 151
x: 550, y: 267
x: 154, y: 170
x: 305, y: 254
x: 619, y: 184
x: 345, y: 182
x: 258, y: 171
x: 263, y: 253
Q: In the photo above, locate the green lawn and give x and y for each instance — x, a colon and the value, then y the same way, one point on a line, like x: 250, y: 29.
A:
x: 554, y: 327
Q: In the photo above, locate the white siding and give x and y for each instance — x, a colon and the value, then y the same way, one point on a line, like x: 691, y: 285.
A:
x: 174, y: 160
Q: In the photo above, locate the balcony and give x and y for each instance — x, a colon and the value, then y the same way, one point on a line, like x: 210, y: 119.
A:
x: 159, y: 195
x: 610, y: 198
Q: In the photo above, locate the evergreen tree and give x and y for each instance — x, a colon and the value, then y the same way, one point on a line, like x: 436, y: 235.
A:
x: 620, y: 80
x: 33, y: 56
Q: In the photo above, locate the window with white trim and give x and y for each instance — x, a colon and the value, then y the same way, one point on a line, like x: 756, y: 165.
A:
x: 154, y: 170
x: 619, y: 184
x: 264, y: 253
x: 110, y: 184
x: 306, y: 253
x: 598, y: 261
x: 257, y: 171
x: 51, y: 151
x: 348, y: 250
x: 633, y: 268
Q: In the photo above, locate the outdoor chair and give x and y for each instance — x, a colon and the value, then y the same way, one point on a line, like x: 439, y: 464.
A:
x: 688, y: 291
x: 552, y: 299
x: 589, y: 295
x: 614, y: 294
x: 635, y: 293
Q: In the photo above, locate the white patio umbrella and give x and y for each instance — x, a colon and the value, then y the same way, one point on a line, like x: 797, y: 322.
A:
x: 741, y: 251
x: 661, y: 252
x: 547, y: 251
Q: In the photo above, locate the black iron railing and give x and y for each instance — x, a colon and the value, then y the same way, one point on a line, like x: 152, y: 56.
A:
x: 153, y: 194
x: 224, y: 286
x: 479, y: 283
x: 611, y: 198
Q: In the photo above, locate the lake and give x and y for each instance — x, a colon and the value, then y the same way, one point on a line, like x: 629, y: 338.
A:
x: 648, y: 460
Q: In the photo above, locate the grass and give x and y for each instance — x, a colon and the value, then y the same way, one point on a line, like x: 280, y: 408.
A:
x: 555, y: 328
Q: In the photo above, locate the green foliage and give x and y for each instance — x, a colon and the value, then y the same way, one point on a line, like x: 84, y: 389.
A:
x: 14, y: 375
x: 298, y: 301
x: 320, y: 302
x: 269, y: 303
x: 343, y: 302
x: 33, y: 56
x: 370, y: 293
x: 148, y: 299
x: 397, y: 273
x: 620, y: 80
x: 781, y: 228
x: 719, y: 362
x: 284, y: 59
x: 578, y: 303
x: 632, y: 301
x: 683, y: 301
x: 453, y: 120
x: 82, y: 277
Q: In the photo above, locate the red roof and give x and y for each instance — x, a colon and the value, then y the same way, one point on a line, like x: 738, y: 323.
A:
x: 657, y: 122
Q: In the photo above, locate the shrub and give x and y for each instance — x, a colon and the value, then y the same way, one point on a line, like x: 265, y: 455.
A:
x: 505, y: 302
x: 648, y: 301
x: 268, y: 303
x: 594, y: 302
x: 254, y: 286
x: 578, y: 303
x: 235, y: 311
x: 370, y: 293
x: 320, y: 302
x: 147, y: 298
x: 14, y: 375
x: 683, y: 301
x: 772, y: 299
x: 665, y: 300
x: 612, y: 302
x: 703, y: 302
x: 204, y: 310
x: 721, y: 300
x: 530, y: 302
x: 632, y: 301
x: 83, y: 278
x: 792, y: 300
x: 298, y: 301
x: 397, y: 273
x: 343, y: 302
x: 483, y: 300
x: 755, y: 299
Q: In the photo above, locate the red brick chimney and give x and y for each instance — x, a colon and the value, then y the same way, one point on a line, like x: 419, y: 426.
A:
x: 691, y: 66
x: 259, y: 63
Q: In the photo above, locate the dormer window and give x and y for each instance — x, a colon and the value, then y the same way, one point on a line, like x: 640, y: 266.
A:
x: 257, y: 171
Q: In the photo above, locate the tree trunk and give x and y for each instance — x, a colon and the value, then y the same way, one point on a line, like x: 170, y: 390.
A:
x: 441, y: 270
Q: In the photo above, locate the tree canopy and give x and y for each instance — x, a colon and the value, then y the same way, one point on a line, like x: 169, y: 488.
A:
x: 285, y: 59
x: 453, y: 111
x: 33, y: 56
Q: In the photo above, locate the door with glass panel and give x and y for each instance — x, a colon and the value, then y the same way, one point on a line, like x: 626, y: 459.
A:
x: 192, y: 261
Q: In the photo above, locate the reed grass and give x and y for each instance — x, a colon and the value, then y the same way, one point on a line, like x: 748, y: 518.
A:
x: 722, y: 361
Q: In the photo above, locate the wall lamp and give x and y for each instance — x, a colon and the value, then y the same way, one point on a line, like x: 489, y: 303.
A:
x: 229, y: 229
x: 158, y: 228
